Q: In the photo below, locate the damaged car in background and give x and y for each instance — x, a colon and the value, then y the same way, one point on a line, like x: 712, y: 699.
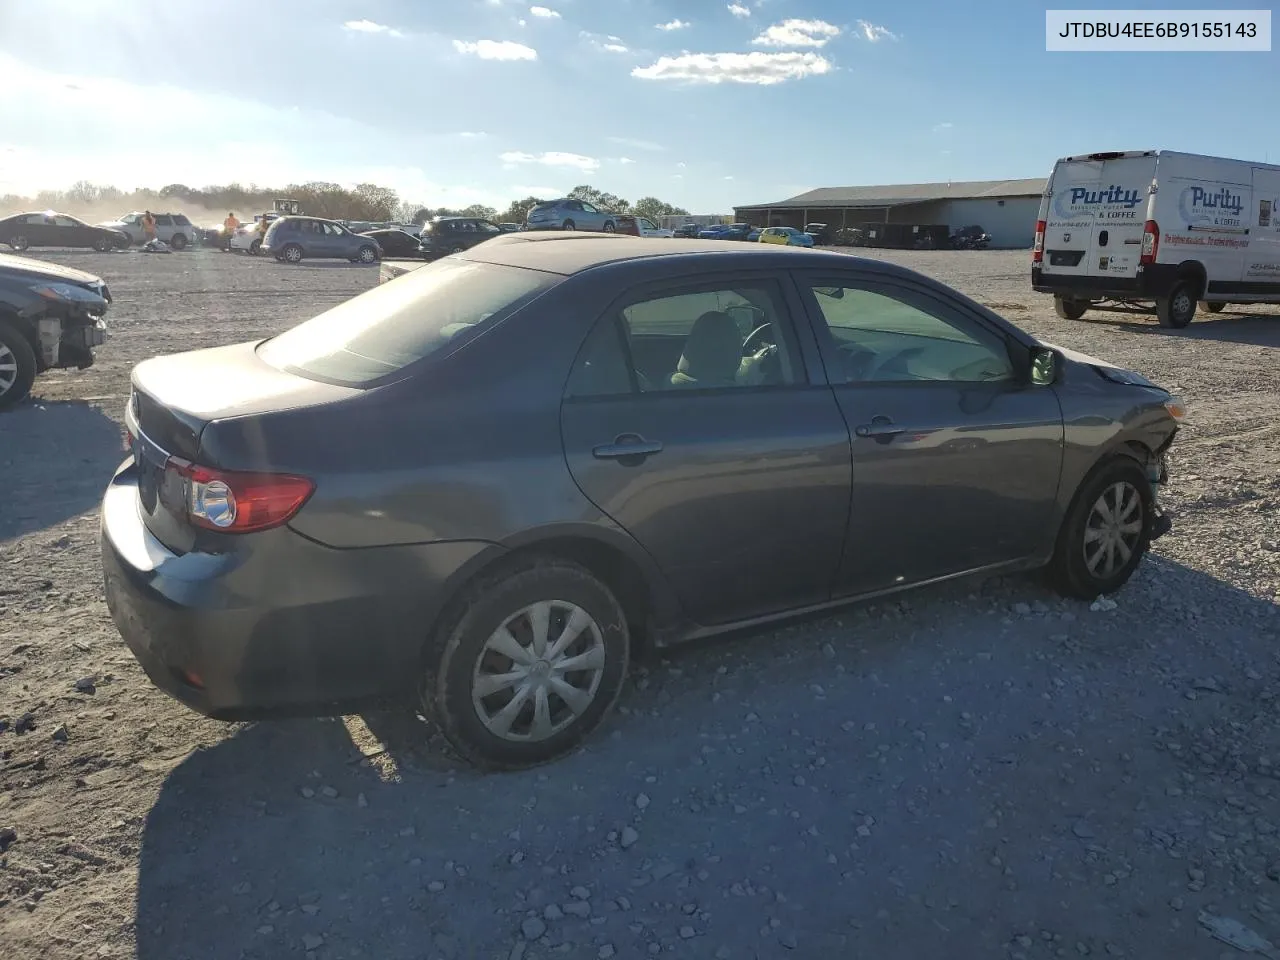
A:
x: 50, y: 317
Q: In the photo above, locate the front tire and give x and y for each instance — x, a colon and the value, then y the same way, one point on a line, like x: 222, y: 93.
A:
x: 609, y: 227
x: 1070, y: 309
x: 292, y: 253
x: 1106, y: 532
x: 1215, y: 307
x: 17, y: 366
x: 179, y: 241
x: 255, y: 248
x: 569, y: 225
x: 103, y: 245
x: 1177, y: 310
x: 367, y: 255
x: 527, y: 665
x: 19, y: 243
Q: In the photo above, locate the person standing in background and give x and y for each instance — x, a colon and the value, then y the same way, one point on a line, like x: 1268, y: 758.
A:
x: 149, y: 226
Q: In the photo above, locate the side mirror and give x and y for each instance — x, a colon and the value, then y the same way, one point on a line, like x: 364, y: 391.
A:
x: 1044, y: 367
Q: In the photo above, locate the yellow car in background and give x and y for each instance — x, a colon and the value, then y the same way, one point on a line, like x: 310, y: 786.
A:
x: 786, y: 235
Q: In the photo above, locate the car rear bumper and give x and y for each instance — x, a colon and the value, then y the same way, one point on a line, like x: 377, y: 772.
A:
x: 1151, y: 283
x: 282, y: 627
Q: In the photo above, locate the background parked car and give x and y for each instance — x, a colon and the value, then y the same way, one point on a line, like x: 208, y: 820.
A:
x: 248, y: 238
x: 293, y: 239
x: 395, y: 243
x: 686, y: 231
x: 640, y: 227
x: 508, y: 227
x: 173, y: 228
x: 51, y: 229
x: 569, y: 214
x: 725, y: 231
x: 820, y: 232
x: 788, y: 235
x: 445, y: 235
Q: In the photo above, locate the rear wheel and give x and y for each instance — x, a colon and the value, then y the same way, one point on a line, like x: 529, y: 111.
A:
x: 570, y: 225
x: 1106, y: 532
x: 19, y: 242
x: 1215, y: 307
x: 179, y: 241
x: 609, y: 227
x: 367, y: 255
x: 255, y: 248
x: 528, y: 664
x: 1070, y: 309
x: 103, y: 245
x: 292, y: 253
x: 1176, y: 310
x: 17, y: 365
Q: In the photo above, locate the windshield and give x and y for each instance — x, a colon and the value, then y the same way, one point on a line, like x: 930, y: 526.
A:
x: 382, y: 331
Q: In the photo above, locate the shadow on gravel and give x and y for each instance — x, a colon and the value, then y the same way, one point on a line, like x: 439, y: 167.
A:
x: 1226, y: 327
x: 773, y: 785
x: 55, y: 461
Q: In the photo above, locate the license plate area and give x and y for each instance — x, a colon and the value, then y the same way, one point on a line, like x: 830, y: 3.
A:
x: 157, y: 487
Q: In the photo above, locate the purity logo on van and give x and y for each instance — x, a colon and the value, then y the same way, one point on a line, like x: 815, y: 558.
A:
x: 1084, y: 200
x: 1198, y: 205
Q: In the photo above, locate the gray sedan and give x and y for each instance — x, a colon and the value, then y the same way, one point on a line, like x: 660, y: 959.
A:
x: 569, y: 214
x: 486, y: 483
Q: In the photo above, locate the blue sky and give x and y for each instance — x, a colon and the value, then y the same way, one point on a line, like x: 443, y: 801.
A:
x: 700, y: 102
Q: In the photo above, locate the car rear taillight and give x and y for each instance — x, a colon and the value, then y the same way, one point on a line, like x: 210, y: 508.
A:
x: 230, y: 501
x: 1150, y: 242
x: 1037, y: 249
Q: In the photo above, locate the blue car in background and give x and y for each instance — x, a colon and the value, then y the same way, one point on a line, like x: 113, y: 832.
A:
x: 725, y: 231
x: 786, y: 235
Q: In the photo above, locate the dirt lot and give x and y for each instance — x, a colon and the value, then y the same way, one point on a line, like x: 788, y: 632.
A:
x: 976, y: 771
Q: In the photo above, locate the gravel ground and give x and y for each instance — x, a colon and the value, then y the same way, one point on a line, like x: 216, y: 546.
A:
x: 981, y: 770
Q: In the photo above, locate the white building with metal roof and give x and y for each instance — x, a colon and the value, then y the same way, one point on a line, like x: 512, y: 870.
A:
x: 1006, y: 209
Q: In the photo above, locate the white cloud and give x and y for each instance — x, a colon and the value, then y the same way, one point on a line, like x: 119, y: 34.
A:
x: 368, y: 26
x: 738, y: 10
x: 471, y: 134
x: 672, y: 25
x: 553, y: 159
x: 545, y: 12
x: 729, y: 178
x: 610, y: 43
x: 638, y: 144
x: 874, y: 33
x: 938, y: 127
x: 625, y: 160
x: 798, y: 33
x: 764, y: 69
x: 681, y: 164
x: 496, y: 49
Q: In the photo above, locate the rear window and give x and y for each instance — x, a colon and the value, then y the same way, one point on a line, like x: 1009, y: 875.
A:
x: 382, y: 331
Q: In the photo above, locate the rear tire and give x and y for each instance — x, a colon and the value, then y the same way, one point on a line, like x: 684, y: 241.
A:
x: 255, y: 248
x: 103, y: 245
x: 1076, y: 570
x: 609, y: 227
x: 179, y: 241
x: 367, y: 255
x: 19, y: 243
x: 464, y: 651
x: 1070, y: 309
x: 569, y: 225
x: 1215, y: 307
x: 17, y: 366
x: 1177, y: 310
x: 292, y: 253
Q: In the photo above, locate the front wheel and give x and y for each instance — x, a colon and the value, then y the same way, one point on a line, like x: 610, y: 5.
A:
x: 292, y: 253
x: 1176, y: 310
x: 367, y: 255
x: 19, y: 243
x: 1106, y: 532
x: 103, y: 245
x: 1070, y: 309
x: 529, y: 664
x: 255, y: 248
x: 1215, y: 307
x: 17, y: 365
x: 569, y: 225
x: 179, y: 241
x: 609, y: 227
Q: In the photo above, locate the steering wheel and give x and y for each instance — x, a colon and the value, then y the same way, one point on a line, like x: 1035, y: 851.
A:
x: 750, y: 345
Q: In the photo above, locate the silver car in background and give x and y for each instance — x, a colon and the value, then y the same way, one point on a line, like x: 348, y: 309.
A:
x: 569, y: 214
x: 173, y: 228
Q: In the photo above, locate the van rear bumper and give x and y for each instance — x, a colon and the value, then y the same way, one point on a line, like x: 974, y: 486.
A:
x: 1153, y: 282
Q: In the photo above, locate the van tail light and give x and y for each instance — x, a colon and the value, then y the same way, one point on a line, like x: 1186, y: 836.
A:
x: 1150, y: 242
x: 230, y: 501
x: 1037, y: 249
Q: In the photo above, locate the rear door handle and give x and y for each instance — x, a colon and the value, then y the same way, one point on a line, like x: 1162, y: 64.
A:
x: 627, y: 446
x: 879, y: 427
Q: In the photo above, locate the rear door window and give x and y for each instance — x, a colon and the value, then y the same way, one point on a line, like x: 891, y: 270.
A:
x: 376, y: 335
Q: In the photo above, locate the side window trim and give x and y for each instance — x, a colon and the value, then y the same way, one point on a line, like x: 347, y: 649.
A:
x: 611, y: 319
x: 887, y: 286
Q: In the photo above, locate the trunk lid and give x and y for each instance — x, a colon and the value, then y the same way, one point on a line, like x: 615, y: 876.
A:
x: 1095, y: 216
x: 175, y: 398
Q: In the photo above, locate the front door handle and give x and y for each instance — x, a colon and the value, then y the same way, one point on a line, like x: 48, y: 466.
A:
x: 627, y: 446
x: 880, y: 428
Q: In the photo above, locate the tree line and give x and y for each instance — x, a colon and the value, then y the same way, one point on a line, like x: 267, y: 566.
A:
x: 364, y: 202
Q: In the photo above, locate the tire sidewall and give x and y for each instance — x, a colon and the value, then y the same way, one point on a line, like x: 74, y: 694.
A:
x: 1070, y: 561
x: 367, y: 255
x: 292, y: 253
x: 1167, y: 311
x: 26, y: 359
x: 448, y: 687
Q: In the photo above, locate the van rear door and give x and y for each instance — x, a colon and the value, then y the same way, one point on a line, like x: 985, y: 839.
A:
x: 1095, y: 214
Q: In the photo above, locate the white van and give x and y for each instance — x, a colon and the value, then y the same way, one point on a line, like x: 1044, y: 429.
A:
x: 1137, y: 227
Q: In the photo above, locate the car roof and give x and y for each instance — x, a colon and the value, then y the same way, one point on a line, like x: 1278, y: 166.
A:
x: 571, y: 252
